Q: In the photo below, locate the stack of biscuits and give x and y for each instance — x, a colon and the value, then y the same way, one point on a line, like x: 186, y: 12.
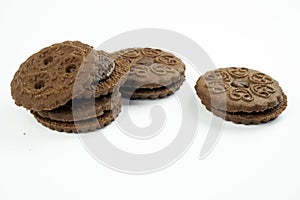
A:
x: 70, y: 87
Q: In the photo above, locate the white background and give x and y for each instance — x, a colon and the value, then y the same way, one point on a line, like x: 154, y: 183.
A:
x: 249, y: 162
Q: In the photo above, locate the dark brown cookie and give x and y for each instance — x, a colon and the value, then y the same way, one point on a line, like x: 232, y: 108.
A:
x: 112, y: 83
x: 81, y: 126
x: 82, y: 109
x: 241, y: 95
x: 46, y: 79
x: 152, y: 70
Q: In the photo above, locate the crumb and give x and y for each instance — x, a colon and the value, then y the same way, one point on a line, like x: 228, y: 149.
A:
x: 24, y: 133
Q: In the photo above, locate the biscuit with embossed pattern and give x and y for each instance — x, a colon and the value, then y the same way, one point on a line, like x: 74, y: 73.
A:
x: 46, y: 79
x: 151, y: 69
x: 241, y: 95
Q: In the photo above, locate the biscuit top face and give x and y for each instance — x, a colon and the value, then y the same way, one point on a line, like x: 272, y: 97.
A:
x: 149, y: 56
x: 244, y: 90
x: 46, y: 79
x: 151, y: 68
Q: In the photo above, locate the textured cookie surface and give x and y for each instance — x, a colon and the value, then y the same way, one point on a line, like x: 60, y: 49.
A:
x: 46, y: 79
x: 154, y: 76
x: 244, y: 89
x: 151, y: 69
x: 81, y: 126
x: 82, y: 109
x: 241, y: 95
x: 149, y: 56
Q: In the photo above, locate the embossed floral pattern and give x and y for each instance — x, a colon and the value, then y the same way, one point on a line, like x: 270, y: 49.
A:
x: 149, y: 57
x: 261, y: 78
x: 151, y: 52
x: 161, y: 69
x: 238, y: 72
x: 241, y: 94
x: 158, y: 69
x: 261, y: 90
x: 217, y: 87
x: 218, y: 76
x: 240, y: 83
x: 167, y: 59
x: 131, y: 53
x: 139, y: 70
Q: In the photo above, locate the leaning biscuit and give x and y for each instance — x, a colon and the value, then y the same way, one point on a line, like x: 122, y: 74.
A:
x: 46, y: 79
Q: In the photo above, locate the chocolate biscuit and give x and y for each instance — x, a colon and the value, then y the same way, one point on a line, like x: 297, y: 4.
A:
x: 52, y: 82
x: 241, y: 95
x: 46, y: 79
x: 152, y: 73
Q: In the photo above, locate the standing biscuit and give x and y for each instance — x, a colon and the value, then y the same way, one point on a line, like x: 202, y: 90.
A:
x: 46, y: 79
